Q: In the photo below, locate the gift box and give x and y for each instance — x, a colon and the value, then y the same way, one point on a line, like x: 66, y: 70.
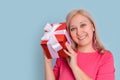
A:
x: 54, y: 39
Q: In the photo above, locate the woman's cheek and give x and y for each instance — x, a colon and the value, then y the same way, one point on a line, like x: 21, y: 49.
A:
x: 74, y: 38
x: 73, y: 35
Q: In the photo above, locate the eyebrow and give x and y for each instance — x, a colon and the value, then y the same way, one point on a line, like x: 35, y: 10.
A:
x: 83, y: 21
x: 71, y: 26
x: 79, y: 22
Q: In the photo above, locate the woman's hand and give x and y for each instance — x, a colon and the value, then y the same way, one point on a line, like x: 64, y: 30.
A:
x: 72, y: 59
x: 47, y: 60
x: 49, y: 74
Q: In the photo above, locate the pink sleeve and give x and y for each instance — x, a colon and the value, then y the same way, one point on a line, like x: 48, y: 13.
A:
x: 57, y: 68
x: 106, y: 69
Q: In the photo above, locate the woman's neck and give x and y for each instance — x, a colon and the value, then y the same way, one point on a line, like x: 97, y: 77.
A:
x: 85, y: 49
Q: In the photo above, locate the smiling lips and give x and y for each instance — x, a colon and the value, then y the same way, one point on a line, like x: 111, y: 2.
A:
x: 82, y: 37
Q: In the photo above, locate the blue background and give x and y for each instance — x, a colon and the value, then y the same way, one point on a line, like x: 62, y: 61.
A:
x: 21, y: 28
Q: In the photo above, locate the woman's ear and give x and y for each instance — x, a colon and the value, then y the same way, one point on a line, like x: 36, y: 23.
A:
x: 93, y: 28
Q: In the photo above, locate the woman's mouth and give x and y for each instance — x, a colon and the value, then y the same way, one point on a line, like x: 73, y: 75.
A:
x: 82, y: 37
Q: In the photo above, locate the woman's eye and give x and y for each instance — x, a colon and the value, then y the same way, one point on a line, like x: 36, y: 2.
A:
x: 72, y: 29
x: 82, y: 25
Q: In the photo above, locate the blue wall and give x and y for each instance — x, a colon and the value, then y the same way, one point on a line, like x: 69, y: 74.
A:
x: 21, y: 27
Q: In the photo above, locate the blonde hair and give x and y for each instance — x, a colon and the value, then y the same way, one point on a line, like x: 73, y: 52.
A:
x: 98, y: 46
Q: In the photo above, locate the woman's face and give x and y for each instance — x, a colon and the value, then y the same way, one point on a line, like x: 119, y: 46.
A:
x: 81, y: 30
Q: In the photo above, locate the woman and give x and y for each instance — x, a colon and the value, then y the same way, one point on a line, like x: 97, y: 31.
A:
x: 88, y: 59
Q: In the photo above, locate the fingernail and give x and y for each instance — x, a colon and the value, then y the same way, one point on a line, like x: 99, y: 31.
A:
x: 66, y: 43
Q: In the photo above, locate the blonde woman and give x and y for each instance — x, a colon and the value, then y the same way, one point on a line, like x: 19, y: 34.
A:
x: 88, y: 59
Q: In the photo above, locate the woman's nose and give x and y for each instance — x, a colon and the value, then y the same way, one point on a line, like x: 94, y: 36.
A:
x: 79, y: 31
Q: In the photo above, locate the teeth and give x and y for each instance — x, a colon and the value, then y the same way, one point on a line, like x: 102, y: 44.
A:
x: 81, y: 38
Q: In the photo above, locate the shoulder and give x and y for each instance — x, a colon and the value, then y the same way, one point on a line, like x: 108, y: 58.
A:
x: 107, y: 57
x: 59, y: 61
x: 106, y: 67
x: 107, y: 54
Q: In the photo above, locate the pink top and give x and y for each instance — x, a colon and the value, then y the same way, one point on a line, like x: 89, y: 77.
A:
x: 95, y: 65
